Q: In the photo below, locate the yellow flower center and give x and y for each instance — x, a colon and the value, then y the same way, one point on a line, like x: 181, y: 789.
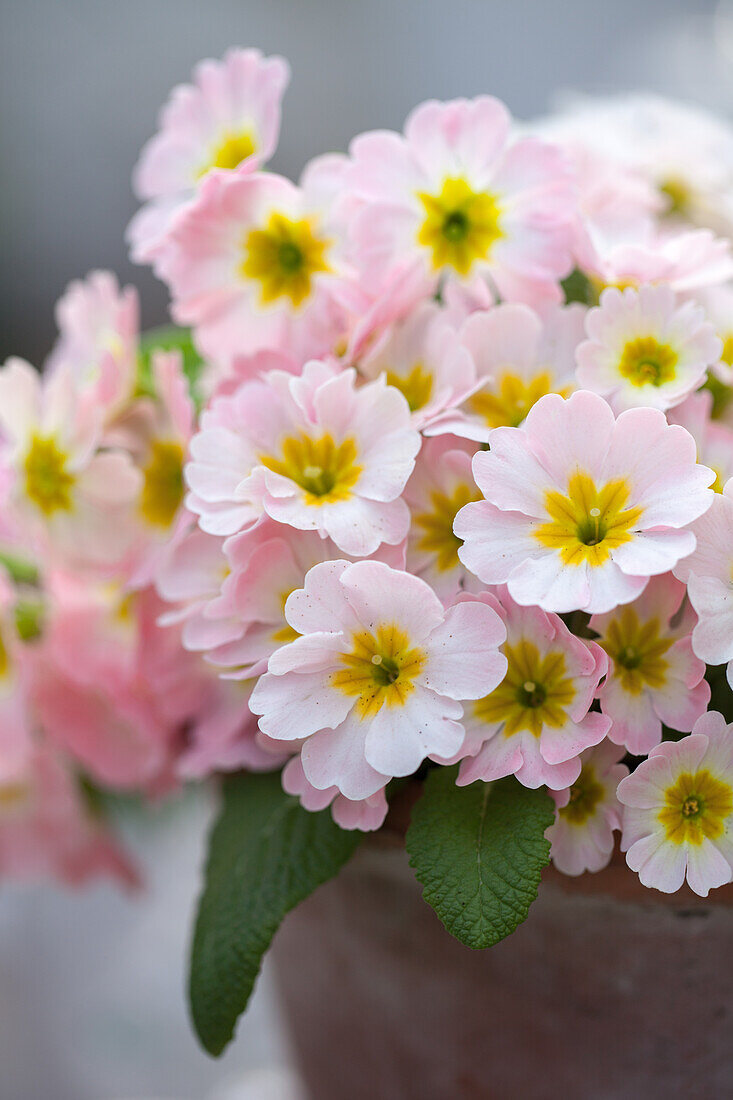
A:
x: 719, y: 483
x: 234, y: 147
x: 380, y: 670
x: 678, y: 195
x: 637, y: 650
x: 696, y: 808
x: 512, y: 399
x: 646, y: 362
x: 13, y: 795
x: 727, y: 355
x: 588, y: 523
x: 283, y: 257
x: 327, y: 471
x: 48, y: 483
x: 585, y: 795
x: 416, y: 387
x: 163, y: 487
x: 284, y: 633
x: 437, y: 535
x: 460, y: 226
x: 4, y: 658
x: 535, y: 692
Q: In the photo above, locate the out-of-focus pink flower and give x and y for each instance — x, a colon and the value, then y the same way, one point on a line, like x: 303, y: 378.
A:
x: 47, y: 831
x: 228, y: 118
x: 685, y: 261
x: 99, y: 328
x: 68, y: 496
x: 156, y: 432
x: 683, y: 151
x: 113, y: 688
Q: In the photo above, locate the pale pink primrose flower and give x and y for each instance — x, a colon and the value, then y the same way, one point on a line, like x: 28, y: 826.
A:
x: 224, y: 735
x: 99, y: 329
x: 717, y: 301
x: 537, y: 721
x: 227, y: 119
x: 708, y: 573
x: 374, y: 684
x: 643, y: 349
x: 440, y: 485
x: 456, y: 197
x: 156, y: 432
x: 190, y: 576
x: 70, y: 498
x: 581, y: 508
x: 422, y: 358
x: 265, y: 564
x: 255, y: 262
x: 313, y: 452
x: 366, y: 814
x: 519, y: 357
x: 588, y: 813
x: 687, y: 262
x: 382, y: 307
x: 47, y: 830
x: 685, y: 152
x: 113, y: 688
x: 678, y: 811
x: 714, y: 438
x: 615, y: 202
x: 654, y: 677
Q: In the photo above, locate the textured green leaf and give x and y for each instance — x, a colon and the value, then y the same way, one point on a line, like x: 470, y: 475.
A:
x: 478, y: 852
x: 266, y: 855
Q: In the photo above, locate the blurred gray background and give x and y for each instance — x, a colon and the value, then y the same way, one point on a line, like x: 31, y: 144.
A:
x: 81, y: 82
x: 91, y: 986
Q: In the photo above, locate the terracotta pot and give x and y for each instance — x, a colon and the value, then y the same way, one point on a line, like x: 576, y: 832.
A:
x: 607, y: 992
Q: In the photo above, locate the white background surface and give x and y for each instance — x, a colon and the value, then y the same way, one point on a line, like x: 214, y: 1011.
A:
x: 92, y: 986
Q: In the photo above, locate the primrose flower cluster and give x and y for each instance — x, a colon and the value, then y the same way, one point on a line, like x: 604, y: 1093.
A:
x: 442, y: 478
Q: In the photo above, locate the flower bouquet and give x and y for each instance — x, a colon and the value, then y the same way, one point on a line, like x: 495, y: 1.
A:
x: 427, y: 488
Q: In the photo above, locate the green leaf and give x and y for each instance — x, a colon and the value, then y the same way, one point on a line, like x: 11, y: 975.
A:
x: 29, y: 616
x: 266, y: 855
x: 577, y: 287
x: 478, y: 852
x: 168, y: 338
x: 20, y: 570
x: 721, y: 696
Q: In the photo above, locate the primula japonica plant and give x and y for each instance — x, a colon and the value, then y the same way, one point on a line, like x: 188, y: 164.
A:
x: 431, y: 491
